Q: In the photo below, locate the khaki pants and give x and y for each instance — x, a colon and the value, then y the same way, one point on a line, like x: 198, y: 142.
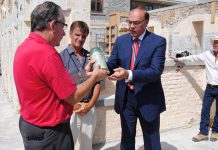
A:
x: 83, y: 128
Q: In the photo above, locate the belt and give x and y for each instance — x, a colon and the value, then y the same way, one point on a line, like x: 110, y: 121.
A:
x: 84, y: 101
x: 58, y: 125
x: 212, y: 86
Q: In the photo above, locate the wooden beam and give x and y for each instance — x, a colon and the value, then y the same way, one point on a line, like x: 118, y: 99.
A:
x: 213, y: 12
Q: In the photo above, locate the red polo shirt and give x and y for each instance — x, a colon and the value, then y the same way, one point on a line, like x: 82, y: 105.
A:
x: 42, y: 83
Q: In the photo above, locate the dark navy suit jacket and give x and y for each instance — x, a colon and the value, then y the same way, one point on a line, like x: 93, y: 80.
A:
x: 149, y: 66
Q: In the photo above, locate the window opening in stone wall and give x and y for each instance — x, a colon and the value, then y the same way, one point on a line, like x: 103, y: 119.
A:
x: 198, y: 35
x: 148, y: 7
x: 97, y: 6
x: 98, y: 40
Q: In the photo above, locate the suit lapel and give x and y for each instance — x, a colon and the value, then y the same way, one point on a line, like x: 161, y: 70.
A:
x: 144, y: 47
x: 128, y: 52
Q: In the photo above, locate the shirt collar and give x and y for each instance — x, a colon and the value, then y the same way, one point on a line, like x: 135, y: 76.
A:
x: 38, y: 37
x: 71, y: 52
x: 140, y: 37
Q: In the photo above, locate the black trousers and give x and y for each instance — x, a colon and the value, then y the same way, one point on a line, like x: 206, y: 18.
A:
x: 46, y: 138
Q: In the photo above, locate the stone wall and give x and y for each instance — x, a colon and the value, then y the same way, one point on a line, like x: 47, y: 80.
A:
x: 99, y: 21
x: 186, y: 26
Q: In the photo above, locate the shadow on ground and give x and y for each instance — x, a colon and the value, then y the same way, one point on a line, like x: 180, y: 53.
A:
x: 164, y: 146
x: 99, y: 147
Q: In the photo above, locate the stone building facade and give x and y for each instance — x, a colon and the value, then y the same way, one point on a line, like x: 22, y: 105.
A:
x: 99, y: 21
x: 186, y: 27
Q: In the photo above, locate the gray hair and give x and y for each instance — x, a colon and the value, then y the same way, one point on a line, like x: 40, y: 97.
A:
x: 43, y: 14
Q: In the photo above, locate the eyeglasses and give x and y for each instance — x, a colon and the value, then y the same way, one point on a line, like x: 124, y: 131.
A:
x: 215, y: 42
x: 135, y: 23
x: 64, y: 24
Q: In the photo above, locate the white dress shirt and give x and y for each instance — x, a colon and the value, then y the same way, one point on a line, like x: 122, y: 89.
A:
x: 211, y: 65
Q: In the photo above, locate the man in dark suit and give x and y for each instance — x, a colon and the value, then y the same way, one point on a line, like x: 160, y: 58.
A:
x: 137, y: 62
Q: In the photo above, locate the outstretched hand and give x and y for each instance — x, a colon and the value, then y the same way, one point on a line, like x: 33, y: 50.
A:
x: 178, y: 68
x: 99, y: 73
x: 119, y: 74
x: 96, y: 71
x: 174, y: 58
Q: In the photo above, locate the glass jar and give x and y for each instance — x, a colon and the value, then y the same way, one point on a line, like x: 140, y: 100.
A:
x: 98, y: 55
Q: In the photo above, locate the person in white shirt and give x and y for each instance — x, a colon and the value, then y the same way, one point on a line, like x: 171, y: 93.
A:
x: 210, y: 59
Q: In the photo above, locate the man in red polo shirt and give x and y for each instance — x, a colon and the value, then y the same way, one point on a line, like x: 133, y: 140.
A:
x: 45, y: 90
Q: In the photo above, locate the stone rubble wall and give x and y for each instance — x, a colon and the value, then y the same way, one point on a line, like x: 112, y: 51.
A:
x: 186, y: 27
